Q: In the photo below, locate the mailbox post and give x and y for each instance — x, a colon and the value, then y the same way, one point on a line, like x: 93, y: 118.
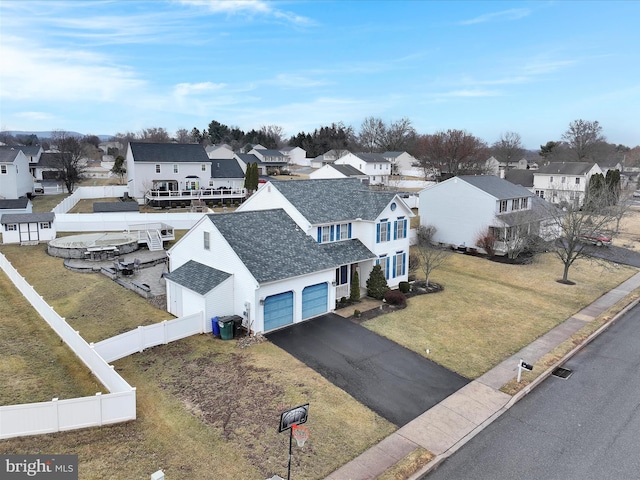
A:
x: 522, y: 365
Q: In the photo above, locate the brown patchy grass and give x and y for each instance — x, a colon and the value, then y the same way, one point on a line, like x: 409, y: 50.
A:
x: 46, y: 203
x: 408, y: 465
x: 490, y: 310
x: 629, y: 234
x: 206, y: 409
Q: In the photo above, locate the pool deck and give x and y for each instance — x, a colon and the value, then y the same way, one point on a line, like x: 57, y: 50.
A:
x: 152, y: 266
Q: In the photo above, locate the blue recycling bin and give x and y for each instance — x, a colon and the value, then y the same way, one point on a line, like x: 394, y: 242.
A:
x: 215, y: 328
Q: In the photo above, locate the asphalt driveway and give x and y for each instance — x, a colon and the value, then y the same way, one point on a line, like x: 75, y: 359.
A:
x: 393, y: 381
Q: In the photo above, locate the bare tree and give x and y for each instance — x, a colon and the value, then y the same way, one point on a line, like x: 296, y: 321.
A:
x: 451, y: 153
x: 183, y: 136
x: 154, y: 135
x: 508, y: 148
x: 431, y: 256
x: 274, y: 131
x: 583, y: 136
x: 575, y: 223
x: 69, y: 161
x: 372, y: 130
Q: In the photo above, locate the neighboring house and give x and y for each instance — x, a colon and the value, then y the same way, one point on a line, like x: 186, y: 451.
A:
x: 227, y: 173
x: 374, y: 165
x: 338, y: 171
x: 334, y: 212
x: 47, y: 167
x: 172, y: 172
x: 495, y: 167
x: 610, y: 164
x: 15, y: 205
x: 15, y: 179
x: 271, y: 161
x: 403, y: 163
x: 464, y: 209
x: 28, y: 228
x: 328, y: 158
x: 216, y: 152
x: 33, y: 154
x: 564, y: 181
x: 296, y: 156
x: 256, y: 264
x: 245, y: 159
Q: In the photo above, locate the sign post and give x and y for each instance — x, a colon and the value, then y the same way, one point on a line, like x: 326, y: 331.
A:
x: 522, y: 365
x: 290, y: 419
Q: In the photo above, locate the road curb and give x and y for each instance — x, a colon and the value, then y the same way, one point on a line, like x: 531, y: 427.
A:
x: 435, y: 463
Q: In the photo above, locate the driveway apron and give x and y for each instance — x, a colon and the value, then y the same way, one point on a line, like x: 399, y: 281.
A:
x: 393, y: 381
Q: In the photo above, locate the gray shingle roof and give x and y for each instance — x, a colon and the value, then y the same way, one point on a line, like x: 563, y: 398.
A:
x: 520, y: 177
x: 248, y: 158
x: 49, y: 159
x: 371, y: 157
x: 27, y: 217
x: 334, y: 200
x: 347, y: 170
x: 29, y: 151
x: 271, y: 245
x: 8, y: 155
x: 226, y: 168
x: 13, y: 203
x: 497, y: 187
x: 197, y: 277
x: 101, y: 207
x: 566, y: 168
x: 266, y: 152
x: 169, y: 152
x: 348, y: 251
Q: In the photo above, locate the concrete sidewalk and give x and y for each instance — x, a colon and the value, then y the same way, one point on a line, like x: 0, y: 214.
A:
x: 449, y: 425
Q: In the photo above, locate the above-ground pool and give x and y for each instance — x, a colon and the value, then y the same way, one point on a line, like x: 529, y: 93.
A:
x: 75, y: 246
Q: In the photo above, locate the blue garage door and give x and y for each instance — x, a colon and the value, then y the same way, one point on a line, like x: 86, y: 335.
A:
x: 314, y: 300
x: 278, y: 310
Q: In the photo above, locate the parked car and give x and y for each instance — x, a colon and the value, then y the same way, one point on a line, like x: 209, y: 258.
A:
x: 597, y: 239
x: 636, y: 194
x: 38, y: 188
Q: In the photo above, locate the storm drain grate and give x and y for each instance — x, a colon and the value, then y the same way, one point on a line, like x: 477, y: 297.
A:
x: 563, y: 373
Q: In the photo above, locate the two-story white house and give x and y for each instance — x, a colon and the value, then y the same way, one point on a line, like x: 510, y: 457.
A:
x: 564, y: 181
x: 173, y: 173
x: 465, y: 208
x: 337, y: 211
x: 296, y: 156
x: 374, y: 165
x: 15, y: 178
x: 289, y: 252
x: 270, y: 161
x: 403, y: 163
x: 333, y: 170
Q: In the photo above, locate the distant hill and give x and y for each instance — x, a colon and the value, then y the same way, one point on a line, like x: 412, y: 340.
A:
x: 49, y: 134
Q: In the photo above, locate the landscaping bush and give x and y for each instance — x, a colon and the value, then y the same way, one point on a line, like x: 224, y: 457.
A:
x: 395, y: 297
x: 404, y: 287
x: 354, y: 293
x: 377, y: 283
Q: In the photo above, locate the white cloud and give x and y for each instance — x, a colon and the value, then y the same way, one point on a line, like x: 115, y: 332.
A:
x: 37, y: 73
x: 249, y: 7
x: 187, y: 89
x: 34, y: 116
x: 512, y: 14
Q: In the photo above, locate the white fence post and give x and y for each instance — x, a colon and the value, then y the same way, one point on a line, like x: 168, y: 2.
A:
x: 141, y: 339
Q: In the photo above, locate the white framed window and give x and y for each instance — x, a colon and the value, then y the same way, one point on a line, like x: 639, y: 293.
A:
x: 503, y: 206
x: 326, y: 234
x: 563, y: 179
x: 342, y: 275
x: 175, y: 168
x: 383, y: 261
x: 157, y: 168
x: 383, y: 233
x: 11, y: 227
x: 211, y: 183
x: 524, y: 203
x: 344, y: 231
x: 399, y: 266
x: 551, y: 180
x: 401, y: 228
x: 207, y: 241
x: 540, y: 193
x: 3, y: 169
x: 515, y: 204
x: 204, y: 167
x: 45, y: 225
x: 577, y: 180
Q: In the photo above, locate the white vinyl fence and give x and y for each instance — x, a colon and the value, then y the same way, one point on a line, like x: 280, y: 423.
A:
x: 81, y: 193
x: 31, y: 419
x: 161, y: 333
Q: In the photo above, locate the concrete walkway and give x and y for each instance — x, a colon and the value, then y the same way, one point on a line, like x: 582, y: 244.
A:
x: 449, y: 425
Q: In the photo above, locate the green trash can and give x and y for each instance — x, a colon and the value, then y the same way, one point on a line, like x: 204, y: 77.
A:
x: 226, y: 328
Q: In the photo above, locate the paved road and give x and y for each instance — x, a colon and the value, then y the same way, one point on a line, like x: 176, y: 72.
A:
x: 582, y: 428
x: 396, y: 383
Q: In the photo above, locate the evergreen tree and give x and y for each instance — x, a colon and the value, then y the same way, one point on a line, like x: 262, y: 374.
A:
x: 377, y: 284
x: 354, y: 292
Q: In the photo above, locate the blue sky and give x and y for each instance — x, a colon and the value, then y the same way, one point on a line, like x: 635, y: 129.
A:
x: 103, y: 67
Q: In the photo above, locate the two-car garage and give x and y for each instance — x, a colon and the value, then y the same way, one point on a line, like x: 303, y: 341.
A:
x: 279, y: 309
